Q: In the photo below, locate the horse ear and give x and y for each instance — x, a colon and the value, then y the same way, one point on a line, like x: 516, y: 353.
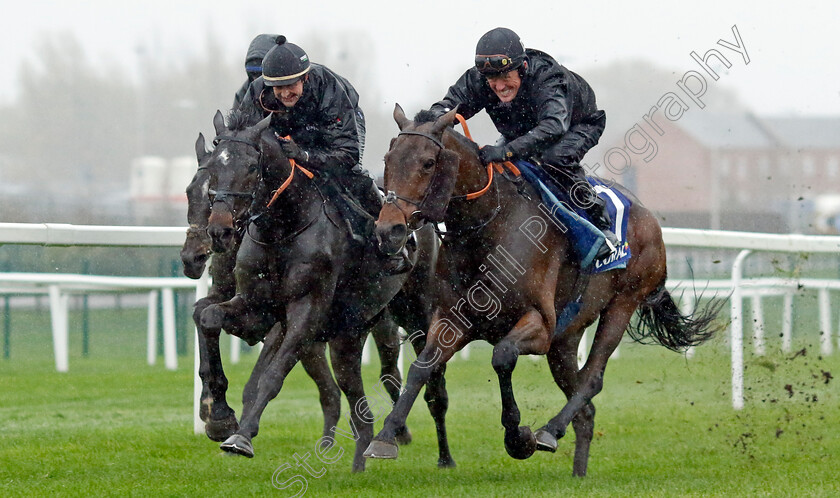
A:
x: 219, y: 122
x: 201, y: 149
x: 442, y: 122
x: 263, y: 124
x: 399, y: 117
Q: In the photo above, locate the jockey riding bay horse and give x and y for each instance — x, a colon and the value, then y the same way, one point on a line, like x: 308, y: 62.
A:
x: 219, y: 418
x: 500, y: 283
x: 300, y: 279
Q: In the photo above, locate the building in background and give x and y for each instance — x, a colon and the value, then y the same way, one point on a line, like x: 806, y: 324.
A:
x: 738, y: 171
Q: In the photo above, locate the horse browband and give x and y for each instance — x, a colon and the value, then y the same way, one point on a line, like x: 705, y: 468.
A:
x: 426, y: 135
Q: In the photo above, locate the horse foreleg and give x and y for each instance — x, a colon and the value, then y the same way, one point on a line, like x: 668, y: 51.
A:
x: 437, y: 400
x: 436, y: 353
x: 590, y: 379
x: 303, y: 317
x: 271, y: 344
x: 529, y: 336
x: 314, y: 360
x: 562, y: 360
x: 386, y: 336
x: 346, y: 354
x: 219, y: 418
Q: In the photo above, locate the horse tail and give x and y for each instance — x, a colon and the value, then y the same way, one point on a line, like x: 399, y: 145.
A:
x: 662, y: 322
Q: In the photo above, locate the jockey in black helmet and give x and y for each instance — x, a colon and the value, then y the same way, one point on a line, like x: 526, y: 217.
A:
x: 320, y: 111
x: 545, y: 113
x: 259, y: 46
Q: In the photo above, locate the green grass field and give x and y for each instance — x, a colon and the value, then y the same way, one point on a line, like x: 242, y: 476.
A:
x: 114, y: 426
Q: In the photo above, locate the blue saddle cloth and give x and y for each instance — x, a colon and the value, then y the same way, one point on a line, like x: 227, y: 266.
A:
x: 584, y: 237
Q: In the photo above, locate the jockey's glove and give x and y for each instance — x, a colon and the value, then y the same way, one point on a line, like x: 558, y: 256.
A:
x: 494, y: 154
x: 293, y: 150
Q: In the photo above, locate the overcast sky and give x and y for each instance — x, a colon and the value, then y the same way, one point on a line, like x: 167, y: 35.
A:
x: 793, y: 66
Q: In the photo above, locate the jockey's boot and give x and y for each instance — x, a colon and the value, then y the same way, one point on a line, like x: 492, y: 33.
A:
x: 367, y: 193
x: 597, y: 212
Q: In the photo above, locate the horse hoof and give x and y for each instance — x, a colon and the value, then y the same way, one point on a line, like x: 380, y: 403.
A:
x: 381, y: 449
x: 403, y: 436
x: 221, y: 429
x: 448, y: 463
x: 238, y: 445
x: 520, y: 444
x: 545, y: 441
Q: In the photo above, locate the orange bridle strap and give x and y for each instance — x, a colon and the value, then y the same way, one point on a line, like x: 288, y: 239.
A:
x: 291, y: 177
x: 490, y: 167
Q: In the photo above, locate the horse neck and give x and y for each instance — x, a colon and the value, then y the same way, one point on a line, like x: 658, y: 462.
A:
x: 472, y: 177
x: 296, y: 202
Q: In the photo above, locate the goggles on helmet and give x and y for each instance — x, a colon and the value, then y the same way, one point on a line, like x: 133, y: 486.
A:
x: 497, y: 63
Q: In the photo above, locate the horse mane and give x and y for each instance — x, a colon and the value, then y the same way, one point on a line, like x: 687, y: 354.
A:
x: 427, y: 116
x: 241, y: 118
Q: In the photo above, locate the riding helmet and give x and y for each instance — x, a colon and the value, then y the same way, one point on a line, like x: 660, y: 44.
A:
x: 499, y: 51
x: 259, y: 46
x: 284, y: 64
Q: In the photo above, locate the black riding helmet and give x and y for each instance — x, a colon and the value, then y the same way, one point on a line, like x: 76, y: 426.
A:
x: 284, y: 64
x: 259, y: 46
x: 499, y: 51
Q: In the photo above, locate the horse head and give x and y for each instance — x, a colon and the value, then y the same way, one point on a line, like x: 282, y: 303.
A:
x: 233, y: 169
x: 420, y: 177
x: 196, y: 247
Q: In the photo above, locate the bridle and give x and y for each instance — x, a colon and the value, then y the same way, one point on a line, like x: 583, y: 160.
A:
x: 227, y: 197
x: 417, y: 219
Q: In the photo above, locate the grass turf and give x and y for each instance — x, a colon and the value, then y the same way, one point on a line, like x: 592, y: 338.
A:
x: 114, y: 426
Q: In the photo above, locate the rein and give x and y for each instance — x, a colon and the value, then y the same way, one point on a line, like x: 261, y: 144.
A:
x: 414, y: 220
x: 291, y: 177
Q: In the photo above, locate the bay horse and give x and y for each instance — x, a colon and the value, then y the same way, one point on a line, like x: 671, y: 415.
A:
x: 220, y: 420
x: 300, y: 279
x: 500, y: 283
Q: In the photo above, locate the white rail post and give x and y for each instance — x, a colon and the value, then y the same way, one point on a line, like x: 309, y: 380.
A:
x: 235, y: 349
x: 583, y: 349
x: 58, y: 311
x: 201, y: 287
x: 787, y: 322
x: 465, y: 352
x: 825, y: 321
x: 151, y: 329
x: 401, y: 357
x: 170, y: 354
x: 366, y: 351
x: 737, y: 331
x: 757, y: 325
x: 687, y: 308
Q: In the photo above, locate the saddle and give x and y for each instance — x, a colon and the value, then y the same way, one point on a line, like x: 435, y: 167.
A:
x: 585, y: 238
x: 360, y: 223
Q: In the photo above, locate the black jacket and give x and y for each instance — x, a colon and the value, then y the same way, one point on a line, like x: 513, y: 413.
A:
x: 326, y: 122
x: 554, y: 107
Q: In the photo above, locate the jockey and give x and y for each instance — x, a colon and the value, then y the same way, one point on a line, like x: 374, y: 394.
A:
x: 545, y: 113
x: 320, y: 111
x: 259, y: 46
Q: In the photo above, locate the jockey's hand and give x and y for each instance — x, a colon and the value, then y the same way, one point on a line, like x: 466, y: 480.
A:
x: 494, y: 154
x: 293, y: 150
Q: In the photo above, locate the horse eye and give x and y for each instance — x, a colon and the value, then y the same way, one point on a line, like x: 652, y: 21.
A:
x: 252, y: 168
x: 429, y: 164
